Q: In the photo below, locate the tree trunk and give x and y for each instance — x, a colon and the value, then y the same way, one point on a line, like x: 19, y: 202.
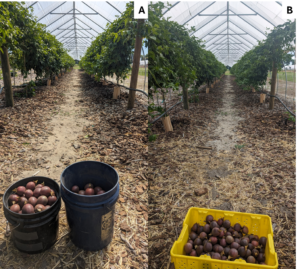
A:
x: 185, y: 97
x: 9, y: 100
x: 136, y: 64
x: 273, y: 85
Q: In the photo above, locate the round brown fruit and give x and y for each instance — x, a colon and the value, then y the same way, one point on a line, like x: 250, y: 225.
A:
x: 32, y: 200
x: 89, y: 185
x: 13, y: 199
x: 39, y: 208
x: 15, y: 208
x: 42, y: 200
x: 28, y: 193
x: 20, y: 212
x: 251, y: 259
x: 47, y: 206
x: 30, y: 185
x: 97, y: 189
x: 39, y: 186
x: 51, y: 200
x: 188, y: 248
x: 46, y: 191
x: 37, y: 192
x: 23, y: 201
x: 100, y: 192
x: 21, y: 190
x: 75, y: 189
x: 89, y: 191
x: 28, y: 209
x: 81, y: 192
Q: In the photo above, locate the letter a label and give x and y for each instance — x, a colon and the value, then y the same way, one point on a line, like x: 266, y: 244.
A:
x: 141, y: 9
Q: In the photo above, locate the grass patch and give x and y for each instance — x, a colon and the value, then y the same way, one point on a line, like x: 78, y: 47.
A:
x: 281, y: 75
x: 76, y: 66
x: 227, y: 73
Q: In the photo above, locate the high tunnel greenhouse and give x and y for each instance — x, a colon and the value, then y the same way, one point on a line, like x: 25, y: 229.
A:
x: 166, y: 142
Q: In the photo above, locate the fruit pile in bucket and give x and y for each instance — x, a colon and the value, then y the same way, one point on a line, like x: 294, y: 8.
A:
x: 221, y: 241
x: 31, y: 198
x: 88, y: 190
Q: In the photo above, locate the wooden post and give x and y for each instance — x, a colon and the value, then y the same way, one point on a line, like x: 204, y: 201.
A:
x: 116, y: 93
x: 56, y: 78
x: 9, y: 100
x: 136, y: 64
x: 185, y: 97
x: 48, y: 82
x: 207, y: 90
x: 273, y: 85
x: 167, y: 124
x: 59, y: 75
x: 262, y: 98
x: 253, y: 90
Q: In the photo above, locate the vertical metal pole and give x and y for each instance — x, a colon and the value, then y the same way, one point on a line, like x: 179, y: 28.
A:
x: 228, y: 31
x: 14, y: 77
x: 285, y: 82
x: 75, y: 29
x: 145, y: 68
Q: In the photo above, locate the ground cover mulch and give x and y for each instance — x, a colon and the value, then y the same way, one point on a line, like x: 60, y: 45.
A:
x: 116, y: 136
x: 257, y: 176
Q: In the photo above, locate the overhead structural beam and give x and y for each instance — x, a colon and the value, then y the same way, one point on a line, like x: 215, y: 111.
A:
x: 212, y: 30
x: 77, y: 29
x: 96, y: 11
x: 227, y: 15
x: 113, y: 7
x: 199, y: 13
x: 33, y: 4
x: 255, y: 9
x: 51, y: 11
x: 91, y: 20
x: 89, y: 26
x: 278, y: 3
x: 61, y: 24
x: 245, y: 30
x: 228, y: 34
x: 75, y: 13
x: 237, y: 37
x: 57, y: 20
x: 171, y: 7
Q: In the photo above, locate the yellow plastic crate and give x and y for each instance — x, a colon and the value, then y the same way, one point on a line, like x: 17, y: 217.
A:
x: 260, y: 225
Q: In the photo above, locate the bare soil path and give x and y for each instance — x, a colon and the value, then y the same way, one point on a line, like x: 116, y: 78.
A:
x: 65, y: 125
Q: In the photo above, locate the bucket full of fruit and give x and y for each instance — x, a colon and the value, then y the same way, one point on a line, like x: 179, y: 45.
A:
x: 90, y: 190
x: 31, y: 207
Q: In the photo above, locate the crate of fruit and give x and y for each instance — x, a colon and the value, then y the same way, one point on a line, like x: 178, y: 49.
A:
x: 216, y: 239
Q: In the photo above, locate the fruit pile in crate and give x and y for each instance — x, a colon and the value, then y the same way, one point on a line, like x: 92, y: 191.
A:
x: 222, y: 241
x: 31, y: 198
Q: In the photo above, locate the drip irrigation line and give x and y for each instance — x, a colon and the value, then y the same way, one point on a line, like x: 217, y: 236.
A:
x: 279, y: 101
x: 1, y: 89
x: 136, y: 90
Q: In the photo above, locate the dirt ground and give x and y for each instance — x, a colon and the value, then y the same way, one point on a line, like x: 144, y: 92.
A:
x: 75, y: 120
x: 254, y: 174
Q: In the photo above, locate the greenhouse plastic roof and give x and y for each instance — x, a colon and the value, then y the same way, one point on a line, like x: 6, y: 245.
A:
x: 76, y: 23
x: 228, y: 29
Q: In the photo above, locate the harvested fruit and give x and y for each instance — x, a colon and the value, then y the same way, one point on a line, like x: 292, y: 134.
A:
x: 28, y: 209
x: 221, y: 241
x: 89, y: 185
x: 42, y: 200
x: 39, y: 208
x: 89, y: 191
x: 21, y: 190
x: 13, y: 199
x: 100, y: 192
x: 37, y: 192
x: 47, y: 206
x: 46, y: 191
x: 23, y: 201
x: 15, y: 208
x: 28, y: 193
x: 97, y: 189
x: 32, y: 200
x: 51, y: 200
x: 81, y: 192
x: 30, y: 185
x: 39, y: 186
x: 75, y: 189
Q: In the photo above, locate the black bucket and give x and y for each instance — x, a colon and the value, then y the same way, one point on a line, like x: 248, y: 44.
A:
x: 33, y: 233
x: 91, y: 218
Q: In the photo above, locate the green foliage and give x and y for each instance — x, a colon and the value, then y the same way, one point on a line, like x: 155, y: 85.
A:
x: 291, y: 117
x: 29, y: 90
x: 252, y: 69
x: 109, y: 54
x: 175, y: 57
